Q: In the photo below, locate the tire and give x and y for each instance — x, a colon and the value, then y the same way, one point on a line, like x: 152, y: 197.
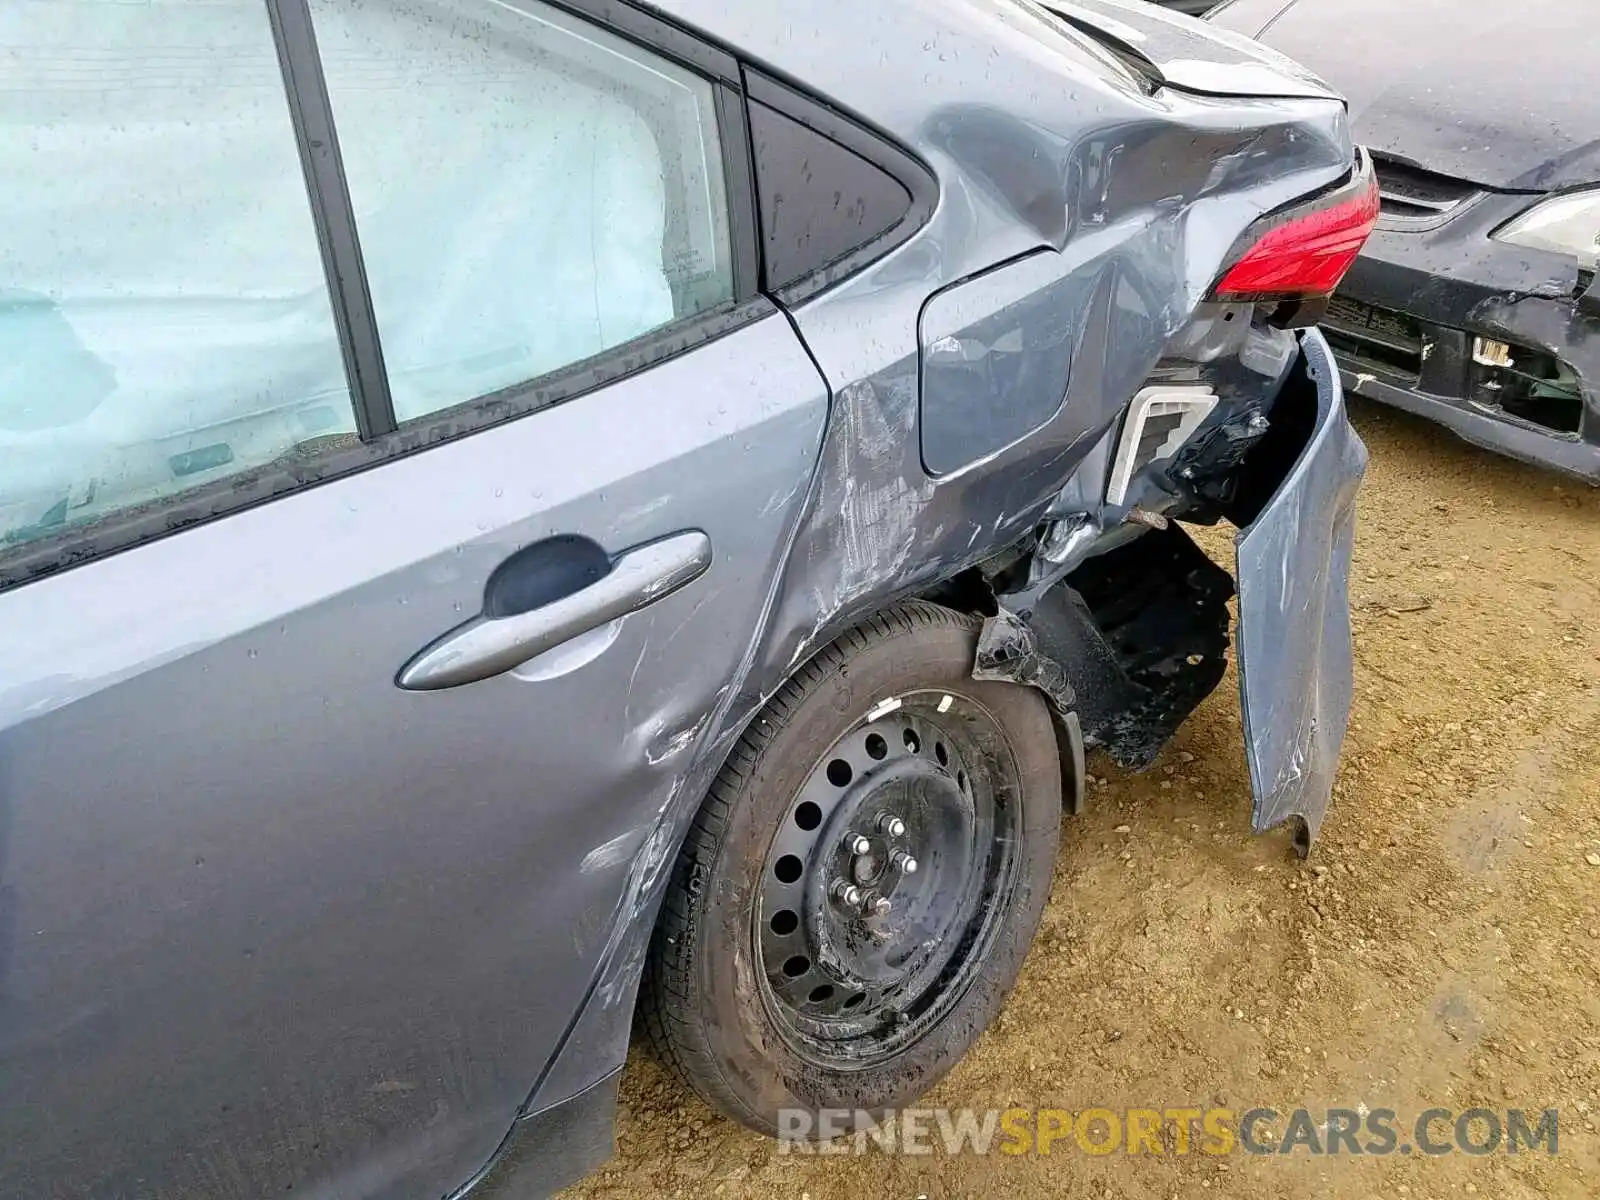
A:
x: 751, y: 1038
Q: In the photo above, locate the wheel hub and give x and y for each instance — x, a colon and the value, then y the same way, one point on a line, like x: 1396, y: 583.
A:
x: 865, y: 868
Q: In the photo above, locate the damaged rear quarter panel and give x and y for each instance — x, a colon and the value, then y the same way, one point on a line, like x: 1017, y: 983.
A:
x: 1128, y: 201
x: 1133, y: 263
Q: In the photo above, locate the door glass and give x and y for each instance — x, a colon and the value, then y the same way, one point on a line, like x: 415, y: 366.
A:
x: 164, y: 319
x: 529, y: 190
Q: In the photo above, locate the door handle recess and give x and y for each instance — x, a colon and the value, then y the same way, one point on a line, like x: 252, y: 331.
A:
x: 487, y: 646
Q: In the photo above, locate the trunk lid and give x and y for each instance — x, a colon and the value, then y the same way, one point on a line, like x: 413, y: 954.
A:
x: 1188, y: 54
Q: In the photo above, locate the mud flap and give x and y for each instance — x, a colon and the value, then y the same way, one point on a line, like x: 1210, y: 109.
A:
x: 1293, y: 640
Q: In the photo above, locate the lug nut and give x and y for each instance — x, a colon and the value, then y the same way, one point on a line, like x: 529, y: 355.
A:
x: 904, y: 863
x: 857, y: 844
x: 846, y: 893
x: 880, y: 906
x: 892, y: 825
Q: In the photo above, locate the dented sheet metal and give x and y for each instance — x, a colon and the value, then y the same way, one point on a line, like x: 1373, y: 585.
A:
x: 1295, y: 662
x: 1077, y: 226
x: 1117, y: 204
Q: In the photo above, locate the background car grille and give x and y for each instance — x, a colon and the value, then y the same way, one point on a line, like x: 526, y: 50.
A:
x: 1377, y: 336
x: 1414, y: 195
x: 1524, y: 382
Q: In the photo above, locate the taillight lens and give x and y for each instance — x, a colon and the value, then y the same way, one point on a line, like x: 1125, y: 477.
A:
x: 1306, y: 255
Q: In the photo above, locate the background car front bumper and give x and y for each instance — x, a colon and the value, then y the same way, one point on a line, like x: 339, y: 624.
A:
x: 1407, y: 323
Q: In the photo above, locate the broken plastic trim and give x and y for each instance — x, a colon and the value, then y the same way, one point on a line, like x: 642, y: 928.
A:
x: 1159, y: 422
x: 1009, y: 653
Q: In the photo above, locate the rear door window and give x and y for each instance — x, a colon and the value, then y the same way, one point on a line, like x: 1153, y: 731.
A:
x: 164, y: 319
x: 529, y: 190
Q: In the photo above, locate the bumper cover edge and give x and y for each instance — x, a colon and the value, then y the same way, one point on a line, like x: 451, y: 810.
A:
x: 1296, y: 663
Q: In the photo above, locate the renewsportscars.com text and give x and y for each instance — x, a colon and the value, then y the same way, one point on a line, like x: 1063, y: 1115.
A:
x: 1358, y: 1131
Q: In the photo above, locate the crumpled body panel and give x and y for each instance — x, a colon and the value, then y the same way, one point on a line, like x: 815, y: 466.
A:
x: 1295, y: 663
x: 1118, y: 204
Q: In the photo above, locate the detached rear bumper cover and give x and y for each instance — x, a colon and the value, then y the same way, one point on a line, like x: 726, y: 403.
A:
x: 1295, y: 661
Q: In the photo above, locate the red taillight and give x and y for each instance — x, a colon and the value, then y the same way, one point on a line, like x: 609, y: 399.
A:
x: 1307, y: 255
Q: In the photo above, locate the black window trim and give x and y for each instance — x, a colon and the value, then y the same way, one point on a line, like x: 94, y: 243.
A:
x: 380, y: 439
x: 860, y: 137
x: 311, y: 112
x: 739, y: 181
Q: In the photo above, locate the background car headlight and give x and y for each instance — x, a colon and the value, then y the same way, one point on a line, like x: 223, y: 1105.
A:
x: 1566, y: 225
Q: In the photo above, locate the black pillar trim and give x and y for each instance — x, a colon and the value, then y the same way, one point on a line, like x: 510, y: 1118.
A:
x: 353, y: 316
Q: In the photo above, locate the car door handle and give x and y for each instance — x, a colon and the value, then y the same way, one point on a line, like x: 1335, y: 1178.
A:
x: 491, y: 645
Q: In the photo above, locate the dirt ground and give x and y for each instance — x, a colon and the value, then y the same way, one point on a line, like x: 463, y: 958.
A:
x: 1440, y: 947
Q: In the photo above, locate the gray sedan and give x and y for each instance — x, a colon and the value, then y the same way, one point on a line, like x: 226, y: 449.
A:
x: 516, y: 515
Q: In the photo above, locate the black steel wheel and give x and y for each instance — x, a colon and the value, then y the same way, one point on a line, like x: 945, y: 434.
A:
x: 858, y: 892
x: 873, y: 908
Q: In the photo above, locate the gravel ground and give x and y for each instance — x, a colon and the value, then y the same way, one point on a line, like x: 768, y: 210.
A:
x: 1441, y: 946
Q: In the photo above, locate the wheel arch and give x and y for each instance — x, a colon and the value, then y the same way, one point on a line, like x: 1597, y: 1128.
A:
x: 600, y: 1034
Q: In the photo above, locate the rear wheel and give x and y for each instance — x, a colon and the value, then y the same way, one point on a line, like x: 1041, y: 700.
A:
x: 858, y: 892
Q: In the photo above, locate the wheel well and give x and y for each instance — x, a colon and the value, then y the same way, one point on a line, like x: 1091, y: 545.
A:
x: 968, y: 592
x: 754, y: 855
x: 972, y: 591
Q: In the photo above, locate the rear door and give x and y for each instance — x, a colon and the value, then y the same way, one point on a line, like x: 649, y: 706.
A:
x: 353, y: 637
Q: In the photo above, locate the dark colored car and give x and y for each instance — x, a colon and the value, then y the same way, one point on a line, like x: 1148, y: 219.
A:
x: 1475, y: 301
x: 503, y: 501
